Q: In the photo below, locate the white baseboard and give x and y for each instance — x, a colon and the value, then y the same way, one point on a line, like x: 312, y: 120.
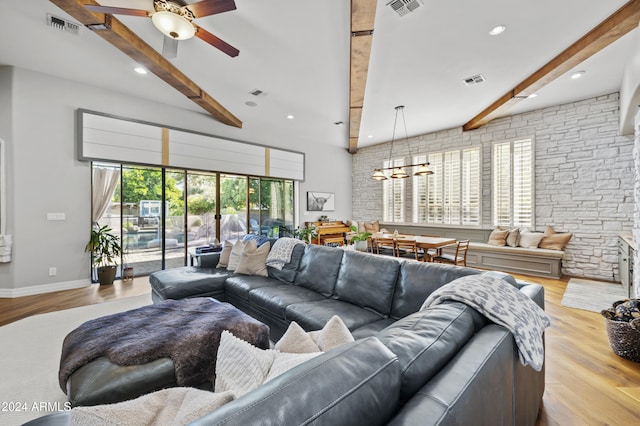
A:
x: 44, y: 288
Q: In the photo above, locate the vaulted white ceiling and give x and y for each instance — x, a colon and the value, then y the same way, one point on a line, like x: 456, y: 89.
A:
x: 298, y: 53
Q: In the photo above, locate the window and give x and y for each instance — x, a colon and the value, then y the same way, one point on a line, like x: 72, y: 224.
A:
x: 513, y: 183
x: 393, y: 194
x: 451, y: 195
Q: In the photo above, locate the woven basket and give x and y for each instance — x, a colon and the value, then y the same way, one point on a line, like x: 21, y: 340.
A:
x: 624, y: 339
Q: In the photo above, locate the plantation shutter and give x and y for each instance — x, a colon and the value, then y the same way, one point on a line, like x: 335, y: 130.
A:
x: 471, y: 192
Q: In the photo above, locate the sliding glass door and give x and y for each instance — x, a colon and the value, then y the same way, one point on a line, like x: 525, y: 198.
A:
x: 162, y: 213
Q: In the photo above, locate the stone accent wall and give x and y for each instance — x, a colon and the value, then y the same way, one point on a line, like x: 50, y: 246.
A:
x: 636, y: 215
x: 584, y: 176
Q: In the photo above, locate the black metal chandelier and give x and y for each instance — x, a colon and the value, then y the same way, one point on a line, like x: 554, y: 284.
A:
x: 399, y: 172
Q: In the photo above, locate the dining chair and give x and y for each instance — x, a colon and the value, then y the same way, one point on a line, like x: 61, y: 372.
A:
x: 460, y: 258
x: 407, y: 247
x: 429, y: 254
x: 384, y: 245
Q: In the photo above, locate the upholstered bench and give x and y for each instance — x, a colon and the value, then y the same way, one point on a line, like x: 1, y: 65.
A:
x: 132, y: 353
x: 521, y: 260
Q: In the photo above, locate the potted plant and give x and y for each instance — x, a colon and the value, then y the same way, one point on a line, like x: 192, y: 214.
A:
x: 105, y: 252
x: 360, y: 239
x: 306, y: 234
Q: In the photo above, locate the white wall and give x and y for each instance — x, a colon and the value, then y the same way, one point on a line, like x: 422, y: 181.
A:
x: 43, y: 175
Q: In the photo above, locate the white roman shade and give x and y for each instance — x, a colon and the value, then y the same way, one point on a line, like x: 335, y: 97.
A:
x: 116, y: 139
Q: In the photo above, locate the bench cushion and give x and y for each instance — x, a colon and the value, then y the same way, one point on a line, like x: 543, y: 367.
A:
x: 557, y: 254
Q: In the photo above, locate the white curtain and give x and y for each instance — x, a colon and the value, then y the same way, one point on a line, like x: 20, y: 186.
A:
x: 105, y: 181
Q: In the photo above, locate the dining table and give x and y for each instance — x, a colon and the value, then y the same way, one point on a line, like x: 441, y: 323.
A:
x: 423, y: 242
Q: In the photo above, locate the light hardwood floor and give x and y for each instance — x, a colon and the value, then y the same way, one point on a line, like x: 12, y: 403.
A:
x: 586, y: 383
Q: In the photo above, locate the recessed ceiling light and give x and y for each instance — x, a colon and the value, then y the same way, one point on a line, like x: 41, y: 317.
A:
x: 577, y: 75
x: 370, y: 136
x: 250, y: 103
x: 290, y: 117
x: 140, y: 70
x: 499, y: 29
x: 533, y: 95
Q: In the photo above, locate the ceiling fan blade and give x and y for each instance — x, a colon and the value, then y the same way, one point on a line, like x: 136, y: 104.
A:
x: 170, y: 47
x: 205, y: 35
x: 116, y: 10
x: 210, y: 7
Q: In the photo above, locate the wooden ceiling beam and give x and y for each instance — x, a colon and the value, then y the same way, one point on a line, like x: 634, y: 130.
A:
x: 614, y: 27
x: 119, y: 35
x: 363, y: 14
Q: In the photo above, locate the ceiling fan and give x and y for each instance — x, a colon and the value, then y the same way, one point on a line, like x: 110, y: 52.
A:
x: 174, y: 19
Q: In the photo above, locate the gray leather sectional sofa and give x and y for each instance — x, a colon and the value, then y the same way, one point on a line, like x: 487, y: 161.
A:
x: 445, y: 365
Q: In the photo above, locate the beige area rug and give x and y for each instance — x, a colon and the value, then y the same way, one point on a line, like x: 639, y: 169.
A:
x: 591, y: 295
x: 30, y: 353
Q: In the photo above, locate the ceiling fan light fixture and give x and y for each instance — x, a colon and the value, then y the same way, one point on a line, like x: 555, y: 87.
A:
x: 173, y: 25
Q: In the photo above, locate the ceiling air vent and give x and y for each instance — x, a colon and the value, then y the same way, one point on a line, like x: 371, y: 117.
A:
x: 62, y: 25
x: 257, y: 92
x: 404, y: 7
x: 475, y: 79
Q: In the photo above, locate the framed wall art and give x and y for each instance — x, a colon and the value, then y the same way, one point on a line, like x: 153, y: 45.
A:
x: 320, y: 201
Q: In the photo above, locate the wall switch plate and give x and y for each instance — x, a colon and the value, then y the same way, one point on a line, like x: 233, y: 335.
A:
x: 56, y: 216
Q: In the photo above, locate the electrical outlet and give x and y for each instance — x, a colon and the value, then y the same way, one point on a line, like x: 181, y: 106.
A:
x: 52, y: 271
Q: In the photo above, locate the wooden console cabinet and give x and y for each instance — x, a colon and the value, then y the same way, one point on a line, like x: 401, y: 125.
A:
x: 328, y: 231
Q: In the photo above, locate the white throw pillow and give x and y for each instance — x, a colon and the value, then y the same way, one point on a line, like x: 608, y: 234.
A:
x: 224, y: 255
x: 253, y: 262
x: 530, y: 239
x: 236, y: 252
x: 240, y: 366
x: 296, y: 340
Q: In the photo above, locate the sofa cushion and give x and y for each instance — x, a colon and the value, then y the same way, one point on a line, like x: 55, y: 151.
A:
x: 241, y: 285
x: 417, y: 280
x: 276, y: 299
x: 188, y: 281
x: 314, y: 315
x: 319, y: 268
x: 367, y: 281
x: 363, y: 368
x: 425, y: 341
x: 288, y: 272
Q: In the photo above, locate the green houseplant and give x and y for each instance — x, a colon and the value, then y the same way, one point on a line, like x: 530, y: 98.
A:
x: 105, y: 252
x: 306, y: 234
x: 360, y: 239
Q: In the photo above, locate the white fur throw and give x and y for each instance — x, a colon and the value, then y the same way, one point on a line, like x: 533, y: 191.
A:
x: 503, y: 304
x: 173, y: 406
